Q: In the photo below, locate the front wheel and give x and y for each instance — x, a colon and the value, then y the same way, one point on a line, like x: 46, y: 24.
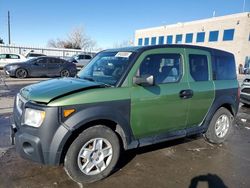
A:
x: 93, y: 155
x: 21, y: 73
x: 220, y: 126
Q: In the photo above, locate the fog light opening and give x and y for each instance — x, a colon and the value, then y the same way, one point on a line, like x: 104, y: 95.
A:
x: 27, y: 148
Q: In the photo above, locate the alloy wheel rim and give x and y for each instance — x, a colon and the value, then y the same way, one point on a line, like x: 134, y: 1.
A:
x: 222, y: 126
x: 95, y: 156
x: 65, y: 73
x: 21, y: 73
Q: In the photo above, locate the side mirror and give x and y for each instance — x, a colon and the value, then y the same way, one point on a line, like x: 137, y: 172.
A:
x: 145, y: 80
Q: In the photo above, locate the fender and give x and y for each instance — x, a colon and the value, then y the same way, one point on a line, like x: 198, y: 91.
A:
x: 222, y: 98
x: 115, y: 111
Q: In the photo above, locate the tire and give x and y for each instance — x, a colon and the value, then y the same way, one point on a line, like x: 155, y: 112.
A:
x: 220, y: 126
x: 21, y: 73
x: 65, y: 73
x: 101, y: 166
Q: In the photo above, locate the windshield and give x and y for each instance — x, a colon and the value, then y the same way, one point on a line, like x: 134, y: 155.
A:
x: 32, y: 60
x: 106, y: 67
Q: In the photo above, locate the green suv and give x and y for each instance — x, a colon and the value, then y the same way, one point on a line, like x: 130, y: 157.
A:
x: 126, y: 98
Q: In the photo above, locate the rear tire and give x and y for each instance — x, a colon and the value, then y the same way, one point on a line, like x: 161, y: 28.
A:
x: 220, y: 126
x: 21, y: 73
x: 93, y: 155
x: 65, y: 73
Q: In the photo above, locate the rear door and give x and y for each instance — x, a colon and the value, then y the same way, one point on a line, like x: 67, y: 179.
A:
x: 54, y: 66
x: 202, y: 85
x: 159, y: 109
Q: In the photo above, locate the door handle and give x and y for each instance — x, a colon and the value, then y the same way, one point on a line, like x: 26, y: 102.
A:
x: 186, y: 94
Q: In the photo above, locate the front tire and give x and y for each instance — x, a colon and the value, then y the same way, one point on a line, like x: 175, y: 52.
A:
x: 93, y: 155
x: 220, y: 126
x: 21, y: 73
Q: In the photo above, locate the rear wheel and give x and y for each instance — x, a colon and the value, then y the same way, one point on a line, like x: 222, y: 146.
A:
x: 220, y: 126
x: 21, y: 73
x: 65, y: 73
x: 93, y: 155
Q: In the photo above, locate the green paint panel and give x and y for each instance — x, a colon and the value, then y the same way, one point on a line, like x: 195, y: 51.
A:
x: 93, y: 96
x: 204, y: 93
x: 158, y: 108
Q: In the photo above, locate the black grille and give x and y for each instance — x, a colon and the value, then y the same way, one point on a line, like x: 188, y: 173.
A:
x: 246, y: 90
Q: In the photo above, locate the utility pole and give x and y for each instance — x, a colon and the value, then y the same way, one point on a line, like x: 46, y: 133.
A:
x: 244, y: 4
x: 9, y: 26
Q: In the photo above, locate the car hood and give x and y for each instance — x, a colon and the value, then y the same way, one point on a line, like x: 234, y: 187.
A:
x: 46, y: 91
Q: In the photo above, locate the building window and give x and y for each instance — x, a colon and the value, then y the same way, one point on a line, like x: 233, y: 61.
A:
x: 249, y: 37
x: 161, y: 40
x: 178, y: 39
x: 228, y: 35
x: 213, y: 36
x: 153, y: 41
x: 200, y: 37
x: 140, y: 42
x: 170, y: 39
x: 189, y: 38
x: 146, y: 41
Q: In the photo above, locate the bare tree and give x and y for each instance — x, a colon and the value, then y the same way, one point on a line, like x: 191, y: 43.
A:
x: 77, y: 39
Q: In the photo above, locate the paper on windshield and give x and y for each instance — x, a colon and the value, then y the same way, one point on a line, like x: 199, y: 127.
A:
x: 123, y: 54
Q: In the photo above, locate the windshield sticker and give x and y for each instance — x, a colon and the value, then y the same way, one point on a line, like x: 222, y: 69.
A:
x: 123, y: 54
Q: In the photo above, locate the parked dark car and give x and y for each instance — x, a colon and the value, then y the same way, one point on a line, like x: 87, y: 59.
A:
x: 41, y: 66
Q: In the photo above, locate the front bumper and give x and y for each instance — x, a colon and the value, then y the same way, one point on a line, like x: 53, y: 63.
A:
x: 9, y: 72
x: 44, y: 144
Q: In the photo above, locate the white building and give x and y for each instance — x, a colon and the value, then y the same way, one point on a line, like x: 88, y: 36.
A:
x: 230, y: 33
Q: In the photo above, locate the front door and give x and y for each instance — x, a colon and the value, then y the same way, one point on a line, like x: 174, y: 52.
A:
x: 160, y: 108
x: 39, y: 67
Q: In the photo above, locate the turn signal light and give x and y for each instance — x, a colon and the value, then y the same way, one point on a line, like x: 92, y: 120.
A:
x: 68, y: 112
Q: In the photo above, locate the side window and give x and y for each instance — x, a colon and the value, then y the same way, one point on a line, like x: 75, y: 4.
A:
x: 88, y: 57
x: 2, y: 56
x: 41, y: 60
x: 224, y: 68
x: 13, y: 56
x: 165, y: 68
x: 198, y: 66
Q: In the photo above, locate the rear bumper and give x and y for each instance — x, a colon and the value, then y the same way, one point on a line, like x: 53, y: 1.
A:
x: 245, y: 98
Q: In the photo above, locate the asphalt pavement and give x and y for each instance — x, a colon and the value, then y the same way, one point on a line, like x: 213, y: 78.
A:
x: 189, y: 162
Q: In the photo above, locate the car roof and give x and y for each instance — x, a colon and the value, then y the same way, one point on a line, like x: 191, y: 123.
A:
x: 143, y: 48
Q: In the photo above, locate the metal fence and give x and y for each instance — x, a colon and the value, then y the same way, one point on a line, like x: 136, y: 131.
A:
x: 59, y: 52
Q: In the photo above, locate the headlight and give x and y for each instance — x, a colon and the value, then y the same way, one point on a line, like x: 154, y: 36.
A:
x: 12, y: 67
x: 33, y: 117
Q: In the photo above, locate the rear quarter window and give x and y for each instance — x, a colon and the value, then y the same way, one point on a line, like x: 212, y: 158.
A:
x: 224, y: 67
x: 198, y: 65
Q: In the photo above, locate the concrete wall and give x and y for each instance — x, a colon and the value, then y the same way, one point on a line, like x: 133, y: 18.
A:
x: 239, y: 46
